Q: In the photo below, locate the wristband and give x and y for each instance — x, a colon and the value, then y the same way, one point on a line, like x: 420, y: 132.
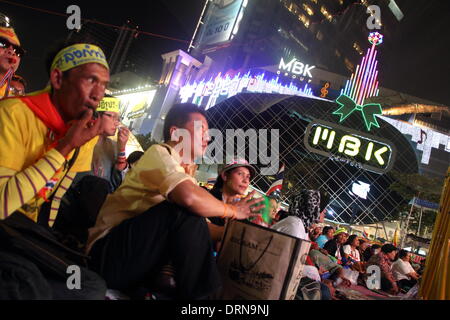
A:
x: 122, y: 154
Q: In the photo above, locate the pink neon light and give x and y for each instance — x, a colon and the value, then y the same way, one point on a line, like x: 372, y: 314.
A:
x: 352, y: 86
x: 360, y: 96
x: 371, y: 83
x: 360, y: 76
x: 366, y: 83
x: 375, y: 85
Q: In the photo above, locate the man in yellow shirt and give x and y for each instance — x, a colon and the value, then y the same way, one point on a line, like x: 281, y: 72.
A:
x: 158, y: 214
x: 41, y: 133
x: 10, y: 55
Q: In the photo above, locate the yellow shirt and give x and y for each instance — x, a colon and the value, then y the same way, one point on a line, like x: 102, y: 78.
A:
x: 150, y: 181
x: 3, y: 91
x: 26, y: 165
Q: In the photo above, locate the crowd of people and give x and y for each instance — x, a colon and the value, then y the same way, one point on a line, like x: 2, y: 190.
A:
x: 133, y: 217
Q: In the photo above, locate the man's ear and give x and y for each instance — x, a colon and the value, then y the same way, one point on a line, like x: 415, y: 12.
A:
x: 56, y: 78
x: 224, y: 176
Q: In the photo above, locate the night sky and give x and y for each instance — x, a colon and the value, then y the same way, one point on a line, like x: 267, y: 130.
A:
x: 416, y: 60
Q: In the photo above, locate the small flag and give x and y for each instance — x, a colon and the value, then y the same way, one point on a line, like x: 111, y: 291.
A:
x: 278, y: 183
x: 365, y: 234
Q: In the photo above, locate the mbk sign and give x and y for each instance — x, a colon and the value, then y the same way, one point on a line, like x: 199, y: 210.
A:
x: 296, y: 67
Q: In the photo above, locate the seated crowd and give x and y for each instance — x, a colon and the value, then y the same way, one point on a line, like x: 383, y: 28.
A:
x: 134, y: 217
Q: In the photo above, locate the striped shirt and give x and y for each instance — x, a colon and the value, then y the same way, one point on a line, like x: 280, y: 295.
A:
x: 26, y: 167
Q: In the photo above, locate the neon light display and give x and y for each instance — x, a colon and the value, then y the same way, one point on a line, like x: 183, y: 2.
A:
x: 425, y: 138
x: 364, y: 82
x: 368, y: 111
x: 341, y: 144
x: 208, y: 93
x: 296, y: 67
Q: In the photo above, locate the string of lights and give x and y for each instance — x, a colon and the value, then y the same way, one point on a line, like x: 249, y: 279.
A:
x: 96, y: 22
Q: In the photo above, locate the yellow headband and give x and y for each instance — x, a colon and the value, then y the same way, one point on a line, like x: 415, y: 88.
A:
x: 10, y: 35
x: 77, y: 55
x: 109, y: 104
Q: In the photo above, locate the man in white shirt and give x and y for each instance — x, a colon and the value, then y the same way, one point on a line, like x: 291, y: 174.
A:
x: 403, y: 272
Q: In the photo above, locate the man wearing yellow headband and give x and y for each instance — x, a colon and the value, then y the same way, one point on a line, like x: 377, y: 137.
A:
x: 109, y: 158
x: 10, y: 55
x: 46, y: 138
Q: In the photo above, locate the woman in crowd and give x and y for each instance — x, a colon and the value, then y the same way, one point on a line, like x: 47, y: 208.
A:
x: 334, y: 247
x: 351, y: 252
x: 231, y: 184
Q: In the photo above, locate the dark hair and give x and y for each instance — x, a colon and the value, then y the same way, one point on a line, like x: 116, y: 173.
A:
x: 134, y: 156
x: 388, y: 248
x: 375, y: 246
x: 350, y: 239
x: 326, y: 229
x: 361, y: 241
x: 64, y: 43
x: 178, y: 116
x: 218, y: 185
x: 402, y: 253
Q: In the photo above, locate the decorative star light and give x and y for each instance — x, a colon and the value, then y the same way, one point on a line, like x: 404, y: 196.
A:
x: 375, y: 38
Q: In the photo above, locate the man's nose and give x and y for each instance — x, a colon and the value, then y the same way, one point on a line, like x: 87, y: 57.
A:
x: 97, y: 94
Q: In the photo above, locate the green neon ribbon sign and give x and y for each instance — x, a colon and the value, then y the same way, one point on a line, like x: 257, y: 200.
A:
x: 368, y: 111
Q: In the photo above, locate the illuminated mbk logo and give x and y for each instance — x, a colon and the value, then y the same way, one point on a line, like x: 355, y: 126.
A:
x: 296, y: 67
x: 346, y: 145
x: 360, y: 189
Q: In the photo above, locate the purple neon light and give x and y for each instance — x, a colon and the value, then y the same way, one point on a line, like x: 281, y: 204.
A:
x: 360, y: 75
x: 371, y: 83
x: 363, y: 83
x: 369, y: 64
x: 363, y: 73
x: 353, y: 85
x: 366, y: 84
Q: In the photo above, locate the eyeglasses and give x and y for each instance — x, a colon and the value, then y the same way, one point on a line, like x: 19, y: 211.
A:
x: 17, y: 49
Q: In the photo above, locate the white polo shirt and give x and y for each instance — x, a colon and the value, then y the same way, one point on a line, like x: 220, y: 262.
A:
x: 400, y: 269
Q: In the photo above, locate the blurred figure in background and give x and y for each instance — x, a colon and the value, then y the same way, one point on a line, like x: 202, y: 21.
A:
x: 18, y: 86
x: 327, y: 234
x: 109, y: 158
x: 10, y: 54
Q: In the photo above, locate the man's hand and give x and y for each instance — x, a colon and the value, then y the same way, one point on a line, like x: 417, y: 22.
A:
x: 80, y: 132
x: 244, y: 209
x: 122, y: 139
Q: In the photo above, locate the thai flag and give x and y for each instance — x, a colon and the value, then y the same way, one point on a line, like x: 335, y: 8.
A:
x: 365, y: 234
x: 278, y: 183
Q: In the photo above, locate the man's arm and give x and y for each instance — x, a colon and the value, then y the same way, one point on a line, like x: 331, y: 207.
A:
x: 18, y: 188
x: 122, y: 140
x: 198, y: 200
